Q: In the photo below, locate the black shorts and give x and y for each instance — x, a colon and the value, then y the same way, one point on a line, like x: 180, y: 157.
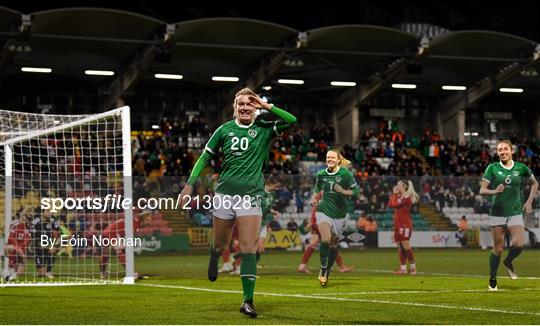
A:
x: 43, y: 257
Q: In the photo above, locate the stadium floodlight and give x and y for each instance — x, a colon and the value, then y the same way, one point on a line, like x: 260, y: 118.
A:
x: 99, y: 72
x: 65, y: 159
x: 404, y: 86
x: 510, y: 90
x: 155, y: 127
x: 168, y: 76
x: 225, y: 79
x: 291, y: 81
x: 36, y: 69
x: 343, y: 83
x: 454, y: 88
x: 267, y: 88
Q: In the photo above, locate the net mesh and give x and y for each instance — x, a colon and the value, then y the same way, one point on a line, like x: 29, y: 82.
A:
x: 72, y: 159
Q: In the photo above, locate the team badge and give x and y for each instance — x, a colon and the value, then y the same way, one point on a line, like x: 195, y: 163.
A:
x: 338, y: 179
x: 252, y: 133
x: 515, y: 174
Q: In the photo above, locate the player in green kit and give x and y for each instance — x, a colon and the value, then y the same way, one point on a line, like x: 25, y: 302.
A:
x: 337, y: 183
x: 244, y: 142
x: 506, y: 213
x: 273, y: 183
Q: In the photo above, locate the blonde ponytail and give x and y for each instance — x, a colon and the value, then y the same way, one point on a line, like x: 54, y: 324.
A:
x: 343, y: 162
x: 411, y: 193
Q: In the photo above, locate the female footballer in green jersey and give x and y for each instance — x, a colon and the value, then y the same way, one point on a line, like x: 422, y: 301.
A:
x: 506, y: 211
x: 337, y: 183
x: 244, y: 143
x: 273, y: 183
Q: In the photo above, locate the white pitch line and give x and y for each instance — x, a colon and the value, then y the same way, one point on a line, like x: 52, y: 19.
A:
x: 445, y: 274
x: 419, y: 273
x: 54, y: 284
x: 422, y: 291
x: 304, y: 296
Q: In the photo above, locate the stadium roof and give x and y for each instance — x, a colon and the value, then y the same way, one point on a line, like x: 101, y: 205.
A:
x: 72, y: 40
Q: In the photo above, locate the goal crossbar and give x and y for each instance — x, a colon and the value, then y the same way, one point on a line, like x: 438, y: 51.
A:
x: 85, y: 120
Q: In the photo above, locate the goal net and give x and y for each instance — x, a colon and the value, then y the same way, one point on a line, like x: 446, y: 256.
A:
x: 55, y: 170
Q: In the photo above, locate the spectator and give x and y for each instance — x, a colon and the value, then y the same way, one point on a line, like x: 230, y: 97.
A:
x: 274, y: 225
x: 371, y: 232
x: 361, y: 223
x: 299, y: 203
x: 292, y: 226
x: 462, y: 231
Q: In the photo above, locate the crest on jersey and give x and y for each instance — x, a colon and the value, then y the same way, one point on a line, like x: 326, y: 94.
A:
x: 252, y: 133
x: 515, y: 174
x: 338, y: 179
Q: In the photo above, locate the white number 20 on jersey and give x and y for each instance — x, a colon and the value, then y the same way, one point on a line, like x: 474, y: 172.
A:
x: 243, y: 142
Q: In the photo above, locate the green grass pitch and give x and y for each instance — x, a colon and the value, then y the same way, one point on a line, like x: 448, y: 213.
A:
x: 451, y: 288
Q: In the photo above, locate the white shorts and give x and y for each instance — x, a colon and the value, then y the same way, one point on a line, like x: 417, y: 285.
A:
x: 264, y: 231
x: 337, y: 224
x: 506, y: 221
x: 305, y: 237
x: 227, y: 207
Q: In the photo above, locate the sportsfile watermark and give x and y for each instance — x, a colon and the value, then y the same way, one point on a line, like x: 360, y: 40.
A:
x: 119, y: 202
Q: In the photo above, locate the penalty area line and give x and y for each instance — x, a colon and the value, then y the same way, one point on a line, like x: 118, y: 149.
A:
x: 305, y: 296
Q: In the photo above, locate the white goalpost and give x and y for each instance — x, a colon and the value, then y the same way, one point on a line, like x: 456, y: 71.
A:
x: 59, y: 177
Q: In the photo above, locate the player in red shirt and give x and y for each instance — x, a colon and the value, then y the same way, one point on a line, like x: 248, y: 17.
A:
x: 117, y: 230
x: 402, y: 198
x: 314, y: 241
x: 18, y: 240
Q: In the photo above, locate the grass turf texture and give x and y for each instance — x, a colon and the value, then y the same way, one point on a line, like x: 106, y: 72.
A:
x: 451, y: 288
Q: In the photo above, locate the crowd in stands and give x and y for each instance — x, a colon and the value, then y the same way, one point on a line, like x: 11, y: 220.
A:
x: 385, y: 151
x: 173, y: 149
x: 296, y: 145
x: 430, y: 154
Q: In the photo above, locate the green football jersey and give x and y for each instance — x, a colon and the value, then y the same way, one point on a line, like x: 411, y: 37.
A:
x: 266, y: 205
x: 334, y: 204
x: 245, y: 149
x: 509, y: 202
